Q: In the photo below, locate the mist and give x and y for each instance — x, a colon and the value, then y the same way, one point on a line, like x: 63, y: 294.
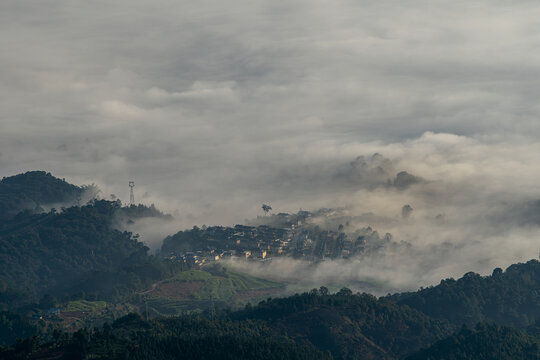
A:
x: 474, y: 210
x: 475, y: 213
x: 216, y: 108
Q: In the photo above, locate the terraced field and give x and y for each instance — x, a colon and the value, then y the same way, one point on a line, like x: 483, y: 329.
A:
x: 199, y: 289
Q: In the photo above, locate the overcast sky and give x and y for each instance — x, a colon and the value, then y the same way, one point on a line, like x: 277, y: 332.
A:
x: 214, y: 107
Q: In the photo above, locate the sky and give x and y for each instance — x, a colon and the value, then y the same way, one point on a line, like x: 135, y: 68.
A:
x: 214, y: 108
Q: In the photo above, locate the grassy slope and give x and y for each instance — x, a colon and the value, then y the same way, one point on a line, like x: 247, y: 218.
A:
x: 215, y: 288
x: 223, y: 288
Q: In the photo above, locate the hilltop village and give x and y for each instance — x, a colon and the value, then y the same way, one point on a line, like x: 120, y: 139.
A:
x: 285, y: 235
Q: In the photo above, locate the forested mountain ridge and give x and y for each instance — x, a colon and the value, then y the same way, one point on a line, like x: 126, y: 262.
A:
x: 318, y: 324
x: 484, y: 342
x: 131, y: 337
x: 313, y: 325
x: 33, y: 190
x: 510, y: 297
x: 68, y: 249
x: 62, y: 252
x: 350, y: 326
x: 128, y: 213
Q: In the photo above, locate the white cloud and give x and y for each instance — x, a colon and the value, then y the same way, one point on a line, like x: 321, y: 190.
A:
x: 199, y: 90
x: 119, y: 109
x: 216, y: 107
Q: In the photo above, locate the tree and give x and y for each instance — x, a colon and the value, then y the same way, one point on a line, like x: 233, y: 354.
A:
x: 406, y: 211
x: 323, y: 290
x: 266, y: 208
x: 344, y: 292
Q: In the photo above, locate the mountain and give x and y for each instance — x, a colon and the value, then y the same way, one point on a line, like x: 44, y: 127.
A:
x: 350, y: 326
x: 67, y: 249
x: 131, y: 337
x: 508, y: 297
x: 484, y: 342
x: 75, y: 250
x: 140, y: 211
x: 34, y: 190
x: 313, y: 325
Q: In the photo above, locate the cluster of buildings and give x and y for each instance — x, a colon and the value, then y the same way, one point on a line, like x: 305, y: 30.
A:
x: 262, y: 243
x: 245, y: 242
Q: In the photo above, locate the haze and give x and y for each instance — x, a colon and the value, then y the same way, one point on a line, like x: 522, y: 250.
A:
x: 216, y: 107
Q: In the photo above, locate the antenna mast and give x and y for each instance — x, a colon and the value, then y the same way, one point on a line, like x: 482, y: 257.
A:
x: 131, y: 196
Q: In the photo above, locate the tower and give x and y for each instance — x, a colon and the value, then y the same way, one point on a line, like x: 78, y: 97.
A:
x: 131, y: 196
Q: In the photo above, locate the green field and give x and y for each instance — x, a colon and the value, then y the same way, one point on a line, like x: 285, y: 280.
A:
x: 218, y: 289
x: 223, y: 288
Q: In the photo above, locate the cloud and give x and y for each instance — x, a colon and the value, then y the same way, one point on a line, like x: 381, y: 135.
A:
x: 118, y: 109
x: 211, y: 93
x: 214, y: 108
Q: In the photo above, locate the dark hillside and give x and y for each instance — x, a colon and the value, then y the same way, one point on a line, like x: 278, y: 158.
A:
x: 510, y: 297
x: 182, y: 338
x: 485, y: 342
x: 61, y: 252
x: 34, y: 189
x: 350, y: 326
x: 311, y: 325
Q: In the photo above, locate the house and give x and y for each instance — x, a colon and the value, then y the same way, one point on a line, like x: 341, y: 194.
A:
x: 260, y: 254
x: 228, y: 254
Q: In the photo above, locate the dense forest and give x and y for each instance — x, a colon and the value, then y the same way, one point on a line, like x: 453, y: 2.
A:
x: 74, y: 250
x: 484, y: 342
x: 350, y: 326
x: 132, y: 212
x: 508, y: 297
x: 70, y: 250
x: 34, y: 190
x: 313, y: 325
x: 131, y: 337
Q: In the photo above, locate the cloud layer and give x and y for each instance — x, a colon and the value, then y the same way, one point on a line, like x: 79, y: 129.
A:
x: 214, y: 108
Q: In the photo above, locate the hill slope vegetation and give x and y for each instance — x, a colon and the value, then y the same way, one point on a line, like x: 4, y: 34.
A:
x: 508, y: 297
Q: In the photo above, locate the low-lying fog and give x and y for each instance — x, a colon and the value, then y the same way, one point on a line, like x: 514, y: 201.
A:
x: 462, y: 205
